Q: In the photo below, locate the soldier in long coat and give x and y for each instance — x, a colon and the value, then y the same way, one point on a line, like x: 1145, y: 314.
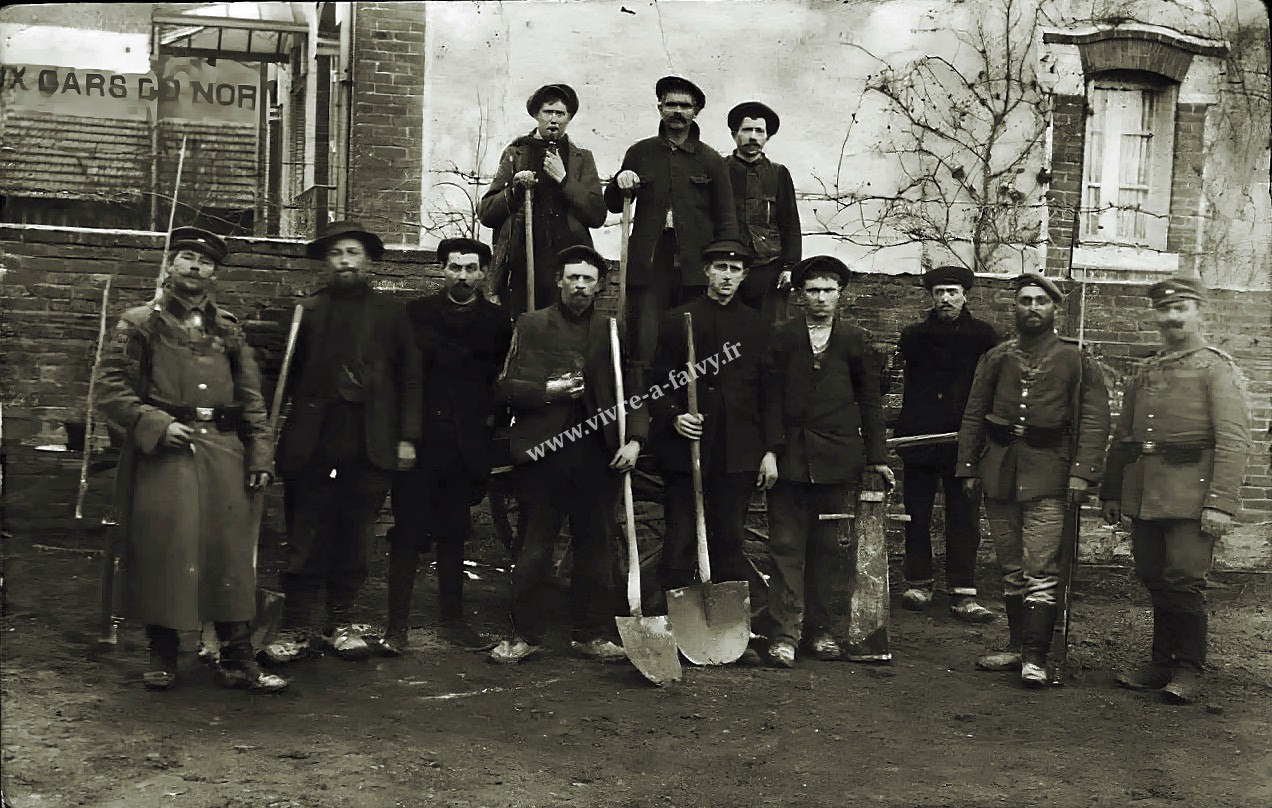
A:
x: 1175, y: 468
x: 181, y: 380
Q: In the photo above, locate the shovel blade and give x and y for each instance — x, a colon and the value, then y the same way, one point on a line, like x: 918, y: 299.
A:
x: 711, y: 622
x: 651, y: 647
x: 269, y: 614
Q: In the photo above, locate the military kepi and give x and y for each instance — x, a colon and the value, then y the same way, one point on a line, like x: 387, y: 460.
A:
x: 201, y: 241
x: 819, y: 263
x: 676, y: 84
x: 1033, y: 279
x: 317, y: 248
x: 727, y: 249
x: 949, y: 275
x: 1172, y: 290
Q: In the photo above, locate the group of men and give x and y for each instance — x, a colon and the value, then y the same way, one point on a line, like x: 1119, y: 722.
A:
x: 402, y: 398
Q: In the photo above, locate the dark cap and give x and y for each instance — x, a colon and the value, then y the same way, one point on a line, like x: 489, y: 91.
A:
x: 727, y: 248
x: 754, y: 109
x: 581, y: 253
x: 563, y: 91
x: 1172, y: 290
x: 949, y: 275
x: 201, y: 241
x: 1034, y: 279
x: 676, y: 84
x: 819, y: 263
x: 463, y: 246
x: 345, y: 229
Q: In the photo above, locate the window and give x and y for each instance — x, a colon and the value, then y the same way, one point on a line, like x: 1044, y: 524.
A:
x: 1126, y: 176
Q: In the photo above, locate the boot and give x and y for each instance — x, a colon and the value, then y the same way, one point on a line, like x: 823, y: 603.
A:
x: 403, y: 564
x: 161, y: 674
x: 1038, y: 624
x: 1008, y: 660
x: 237, y: 668
x: 1156, y: 673
x: 1189, y: 657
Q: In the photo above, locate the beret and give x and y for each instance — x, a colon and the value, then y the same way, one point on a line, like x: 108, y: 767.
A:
x: 819, y: 263
x: 1172, y: 290
x: 676, y: 84
x: 1034, y: 279
x: 754, y: 109
x: 194, y: 238
x: 728, y: 248
x: 345, y: 229
x: 565, y: 91
x: 948, y: 275
x: 463, y: 245
x: 581, y: 253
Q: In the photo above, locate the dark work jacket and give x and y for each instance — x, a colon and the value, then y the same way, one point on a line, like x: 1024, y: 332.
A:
x: 391, y: 381
x: 940, y: 361
x: 827, y: 423
x: 764, y: 202
x: 1034, y: 388
x: 729, y: 344
x: 545, y: 346
x: 692, y: 180
x: 461, y: 355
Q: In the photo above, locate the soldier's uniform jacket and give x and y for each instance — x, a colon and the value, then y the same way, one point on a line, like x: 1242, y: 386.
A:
x: 1017, y: 426
x: 1183, y: 436
x: 188, y: 555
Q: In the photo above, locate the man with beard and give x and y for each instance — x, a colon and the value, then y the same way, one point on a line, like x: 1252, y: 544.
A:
x: 940, y: 355
x: 1016, y: 442
x: 559, y: 381
x: 683, y: 203
x: 462, y: 340
x: 764, y: 197
x: 1175, y: 469
x: 181, y: 380
x: 567, y: 199
x: 355, y: 417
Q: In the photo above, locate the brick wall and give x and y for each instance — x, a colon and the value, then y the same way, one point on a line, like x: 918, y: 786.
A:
x: 50, y: 291
x: 1185, y: 181
x: 1068, y: 121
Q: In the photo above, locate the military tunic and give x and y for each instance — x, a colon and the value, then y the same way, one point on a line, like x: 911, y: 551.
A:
x: 188, y: 557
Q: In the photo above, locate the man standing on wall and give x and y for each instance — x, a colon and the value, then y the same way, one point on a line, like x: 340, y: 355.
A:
x: 567, y: 202
x: 683, y: 203
x: 1028, y: 397
x: 1175, y: 468
x: 764, y: 198
x: 940, y: 354
x: 355, y: 418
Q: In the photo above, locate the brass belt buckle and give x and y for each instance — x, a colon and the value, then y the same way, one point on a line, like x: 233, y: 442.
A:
x: 1018, y: 430
x: 204, y: 413
x: 1148, y: 447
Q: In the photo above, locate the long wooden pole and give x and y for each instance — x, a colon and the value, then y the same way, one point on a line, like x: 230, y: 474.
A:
x: 172, y: 216
x: 529, y: 216
x: 695, y: 458
x: 88, y: 415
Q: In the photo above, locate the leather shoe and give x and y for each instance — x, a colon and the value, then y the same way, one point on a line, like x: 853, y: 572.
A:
x: 1148, y: 676
x: 1184, y: 687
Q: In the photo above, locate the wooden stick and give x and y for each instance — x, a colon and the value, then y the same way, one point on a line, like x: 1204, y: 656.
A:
x: 172, y: 216
x: 695, y: 457
x: 529, y: 215
x: 88, y: 415
x: 622, y: 258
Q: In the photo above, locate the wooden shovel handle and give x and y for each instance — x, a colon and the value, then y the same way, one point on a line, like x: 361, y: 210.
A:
x: 629, y: 504
x: 529, y: 217
x: 622, y: 257
x: 695, y: 458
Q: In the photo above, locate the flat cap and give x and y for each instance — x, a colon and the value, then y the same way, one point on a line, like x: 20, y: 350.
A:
x: 463, y: 246
x: 583, y: 254
x: 819, y: 263
x: 1034, y: 279
x: 201, y: 241
x: 345, y: 229
x: 727, y: 248
x: 1171, y: 290
x: 754, y: 109
x: 949, y: 275
x: 563, y: 91
x: 676, y: 84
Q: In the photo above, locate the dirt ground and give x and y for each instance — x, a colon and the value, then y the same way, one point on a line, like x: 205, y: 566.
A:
x: 443, y: 728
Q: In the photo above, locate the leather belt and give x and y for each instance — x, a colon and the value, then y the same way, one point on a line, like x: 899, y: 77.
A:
x: 227, y: 419
x: 1037, y: 437
x: 1178, y: 452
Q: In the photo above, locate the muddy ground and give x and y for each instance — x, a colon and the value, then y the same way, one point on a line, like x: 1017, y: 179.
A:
x: 443, y: 728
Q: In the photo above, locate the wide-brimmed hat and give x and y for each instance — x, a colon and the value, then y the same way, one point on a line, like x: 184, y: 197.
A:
x: 536, y: 99
x: 345, y: 229
x: 201, y: 241
x: 754, y: 109
x: 678, y: 84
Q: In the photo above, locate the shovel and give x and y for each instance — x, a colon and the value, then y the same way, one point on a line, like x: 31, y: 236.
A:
x: 647, y: 640
x: 712, y: 622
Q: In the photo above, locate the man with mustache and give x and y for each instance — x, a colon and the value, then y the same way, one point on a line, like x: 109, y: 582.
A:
x: 940, y: 354
x: 462, y: 339
x: 567, y: 200
x: 181, y: 380
x: 683, y: 203
x: 1016, y: 443
x: 355, y: 419
x: 764, y: 200
x: 559, y: 380
x: 1175, y: 468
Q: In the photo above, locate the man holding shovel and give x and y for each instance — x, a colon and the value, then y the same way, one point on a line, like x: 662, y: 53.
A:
x: 180, y: 378
x: 823, y: 416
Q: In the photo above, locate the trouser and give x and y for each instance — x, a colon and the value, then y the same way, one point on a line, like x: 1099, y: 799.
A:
x: 806, y: 555
x: 1027, y: 538
x: 759, y: 291
x: 235, y: 637
x: 725, y: 499
x: 648, y: 302
x: 334, y: 508
x: 430, y: 509
x: 546, y: 291
x: 1172, y: 557
x: 962, y: 530
x: 573, y: 482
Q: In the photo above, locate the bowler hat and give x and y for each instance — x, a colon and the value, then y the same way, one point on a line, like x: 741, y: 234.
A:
x: 1034, y: 279
x: 581, y: 253
x: 754, y: 109
x: 677, y: 84
x: 819, y: 263
x: 201, y: 241
x: 463, y: 246
x: 728, y: 248
x: 564, y: 91
x: 345, y: 229
x: 948, y: 275
x: 1172, y: 290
